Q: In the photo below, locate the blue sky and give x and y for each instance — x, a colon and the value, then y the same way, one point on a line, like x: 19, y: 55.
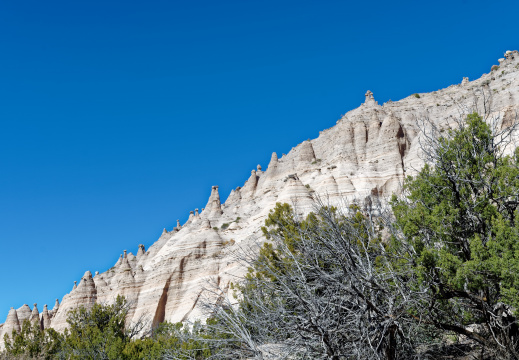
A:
x: 118, y: 116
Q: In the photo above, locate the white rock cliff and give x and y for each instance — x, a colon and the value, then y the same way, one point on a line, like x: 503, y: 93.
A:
x: 367, y: 154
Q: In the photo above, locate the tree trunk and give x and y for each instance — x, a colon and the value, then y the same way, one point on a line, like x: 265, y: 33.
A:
x: 391, y: 346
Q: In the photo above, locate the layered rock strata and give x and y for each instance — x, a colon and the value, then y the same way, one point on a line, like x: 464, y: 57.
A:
x: 366, y: 154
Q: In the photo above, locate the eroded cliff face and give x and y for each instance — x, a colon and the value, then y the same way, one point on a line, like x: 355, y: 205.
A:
x: 365, y: 156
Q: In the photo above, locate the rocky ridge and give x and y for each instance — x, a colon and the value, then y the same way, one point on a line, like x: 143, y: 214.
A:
x: 365, y: 156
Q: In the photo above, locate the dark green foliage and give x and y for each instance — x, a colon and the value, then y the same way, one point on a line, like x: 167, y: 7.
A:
x: 98, y: 331
x: 416, y: 95
x: 460, y: 215
x: 171, y: 339
x: 32, y: 342
x: 101, y: 332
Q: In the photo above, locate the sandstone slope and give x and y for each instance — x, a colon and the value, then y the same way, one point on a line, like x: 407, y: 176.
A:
x: 365, y: 156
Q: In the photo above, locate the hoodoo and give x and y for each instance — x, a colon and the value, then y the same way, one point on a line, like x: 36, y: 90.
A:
x: 83, y: 294
x: 24, y: 313
x: 213, y: 209
x: 370, y: 100
x: 364, y: 157
x: 45, y: 317
x: 56, y: 306
x: 141, y: 251
x: 11, y: 323
x: 250, y: 186
x: 270, y: 176
x: 35, y: 315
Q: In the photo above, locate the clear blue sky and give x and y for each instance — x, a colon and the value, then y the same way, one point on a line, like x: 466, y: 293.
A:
x: 118, y: 116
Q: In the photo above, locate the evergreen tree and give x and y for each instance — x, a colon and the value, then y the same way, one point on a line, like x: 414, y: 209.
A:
x: 460, y: 215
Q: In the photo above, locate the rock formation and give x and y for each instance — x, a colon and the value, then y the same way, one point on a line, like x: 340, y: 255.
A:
x: 35, y: 315
x: 141, y: 252
x: 11, y: 323
x: 213, y: 209
x: 83, y: 294
x: 56, y: 307
x: 366, y: 154
x: 45, y: 318
x: 23, y: 313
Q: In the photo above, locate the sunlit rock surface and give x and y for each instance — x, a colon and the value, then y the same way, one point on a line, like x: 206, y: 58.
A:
x: 367, y: 154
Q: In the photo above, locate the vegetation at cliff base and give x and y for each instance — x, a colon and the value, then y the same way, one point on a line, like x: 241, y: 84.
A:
x: 102, y: 332
x: 435, y: 275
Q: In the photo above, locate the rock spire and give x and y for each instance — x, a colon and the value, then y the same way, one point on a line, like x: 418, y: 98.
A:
x: 141, y: 251
x: 370, y: 100
x: 45, y: 317
x: 213, y: 207
x: 35, y: 315
x: 11, y: 323
x: 24, y: 313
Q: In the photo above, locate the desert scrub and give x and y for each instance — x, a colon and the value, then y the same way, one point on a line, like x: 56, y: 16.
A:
x: 416, y: 95
x: 224, y: 226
